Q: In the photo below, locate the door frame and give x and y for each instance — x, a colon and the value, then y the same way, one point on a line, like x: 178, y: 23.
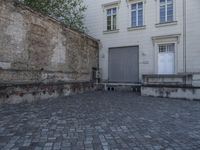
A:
x: 175, y: 55
x: 124, y: 47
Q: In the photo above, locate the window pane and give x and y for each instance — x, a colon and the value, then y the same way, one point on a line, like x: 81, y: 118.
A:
x: 109, y: 23
x: 162, y: 2
x: 114, y: 10
x: 108, y: 12
x: 140, y: 5
x: 133, y: 6
x: 133, y: 18
x: 140, y: 18
x: 114, y: 22
x: 162, y: 48
x: 162, y: 14
x: 169, y: 1
x: 170, y: 12
x: 170, y: 48
x: 167, y: 48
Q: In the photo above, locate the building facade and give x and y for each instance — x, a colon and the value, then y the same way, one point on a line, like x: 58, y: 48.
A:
x: 145, y: 37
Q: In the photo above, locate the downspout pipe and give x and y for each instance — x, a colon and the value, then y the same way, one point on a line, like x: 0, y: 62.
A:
x: 184, y: 37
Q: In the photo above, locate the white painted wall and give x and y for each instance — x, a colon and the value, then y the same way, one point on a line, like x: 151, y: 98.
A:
x: 95, y: 22
x: 193, y: 36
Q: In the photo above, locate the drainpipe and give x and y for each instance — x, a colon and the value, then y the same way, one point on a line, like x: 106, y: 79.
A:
x: 184, y: 37
x: 98, y: 61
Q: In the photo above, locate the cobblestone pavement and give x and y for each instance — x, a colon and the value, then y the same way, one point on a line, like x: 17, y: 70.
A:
x: 101, y: 121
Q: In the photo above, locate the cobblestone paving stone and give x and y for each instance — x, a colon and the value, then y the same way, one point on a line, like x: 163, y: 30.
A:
x: 101, y: 121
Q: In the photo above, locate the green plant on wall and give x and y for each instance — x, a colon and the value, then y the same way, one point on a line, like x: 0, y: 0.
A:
x: 70, y: 12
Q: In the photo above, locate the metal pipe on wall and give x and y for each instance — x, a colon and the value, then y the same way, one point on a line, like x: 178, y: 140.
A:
x: 184, y: 37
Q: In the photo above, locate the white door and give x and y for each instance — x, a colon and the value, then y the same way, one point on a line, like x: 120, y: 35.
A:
x: 166, y: 59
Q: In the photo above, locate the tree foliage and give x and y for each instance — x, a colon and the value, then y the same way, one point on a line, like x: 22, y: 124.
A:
x: 70, y: 12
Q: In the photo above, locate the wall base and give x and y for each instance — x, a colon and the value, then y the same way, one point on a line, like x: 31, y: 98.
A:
x: 128, y: 87
x: 190, y: 93
x: 17, y: 93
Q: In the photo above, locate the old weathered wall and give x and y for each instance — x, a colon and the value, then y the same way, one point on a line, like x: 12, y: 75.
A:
x: 190, y: 93
x: 36, y: 48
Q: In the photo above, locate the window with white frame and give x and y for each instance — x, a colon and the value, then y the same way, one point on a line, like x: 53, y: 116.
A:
x: 137, y: 14
x: 112, y: 19
x: 167, y: 48
x: 166, y: 11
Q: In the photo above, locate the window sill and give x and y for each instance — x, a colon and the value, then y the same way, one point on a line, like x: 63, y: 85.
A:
x: 110, y: 31
x: 136, y: 28
x: 166, y: 24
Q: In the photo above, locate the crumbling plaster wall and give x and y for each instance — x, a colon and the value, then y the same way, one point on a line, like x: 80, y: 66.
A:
x: 35, y: 48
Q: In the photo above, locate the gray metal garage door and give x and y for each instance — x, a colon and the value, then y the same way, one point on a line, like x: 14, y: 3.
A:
x: 124, y: 64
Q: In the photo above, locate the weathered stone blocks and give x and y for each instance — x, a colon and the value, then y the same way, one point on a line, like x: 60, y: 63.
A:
x: 32, y: 42
x: 40, y: 57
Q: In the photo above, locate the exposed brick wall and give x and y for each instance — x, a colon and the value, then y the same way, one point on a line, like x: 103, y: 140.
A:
x: 36, y: 48
x: 40, y: 58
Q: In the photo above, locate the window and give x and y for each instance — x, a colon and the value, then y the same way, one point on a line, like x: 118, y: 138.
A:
x: 111, y: 19
x: 166, y: 48
x: 166, y: 11
x: 137, y: 14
